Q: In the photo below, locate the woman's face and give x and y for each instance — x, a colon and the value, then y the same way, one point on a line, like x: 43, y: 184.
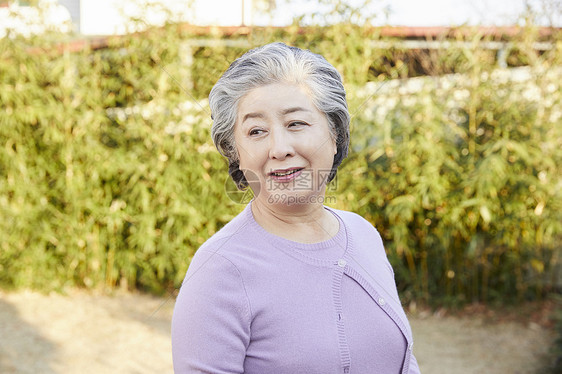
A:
x: 284, y: 144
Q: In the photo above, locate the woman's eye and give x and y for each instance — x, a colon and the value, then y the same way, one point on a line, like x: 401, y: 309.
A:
x: 296, y: 124
x: 254, y: 132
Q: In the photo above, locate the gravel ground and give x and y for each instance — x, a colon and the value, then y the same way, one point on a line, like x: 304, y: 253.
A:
x: 130, y: 334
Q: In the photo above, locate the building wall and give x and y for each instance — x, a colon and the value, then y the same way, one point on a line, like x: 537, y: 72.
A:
x: 19, y: 18
x: 116, y: 17
x: 73, y: 7
x: 108, y: 17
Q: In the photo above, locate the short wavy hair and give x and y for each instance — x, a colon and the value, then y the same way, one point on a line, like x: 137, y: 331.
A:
x: 278, y: 63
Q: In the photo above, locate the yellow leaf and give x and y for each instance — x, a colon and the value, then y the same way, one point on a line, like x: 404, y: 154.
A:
x: 537, y: 265
x: 485, y: 213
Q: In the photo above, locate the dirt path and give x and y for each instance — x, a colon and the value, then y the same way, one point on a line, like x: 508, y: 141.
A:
x: 130, y: 334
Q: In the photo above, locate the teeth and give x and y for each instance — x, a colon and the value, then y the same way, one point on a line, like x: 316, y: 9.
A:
x: 285, y: 173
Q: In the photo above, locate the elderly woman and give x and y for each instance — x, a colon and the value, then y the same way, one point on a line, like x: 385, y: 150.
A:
x: 289, y: 285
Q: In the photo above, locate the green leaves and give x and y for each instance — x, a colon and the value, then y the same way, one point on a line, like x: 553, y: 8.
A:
x: 457, y: 181
x: 108, y: 176
x: 100, y: 184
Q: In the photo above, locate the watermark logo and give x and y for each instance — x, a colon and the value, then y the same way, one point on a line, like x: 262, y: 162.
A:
x: 242, y: 196
x: 281, y: 198
x: 279, y: 193
x: 306, y: 181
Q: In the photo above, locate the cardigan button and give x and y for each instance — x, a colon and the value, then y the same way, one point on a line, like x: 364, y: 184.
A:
x: 381, y: 301
x: 342, y: 263
x: 410, y: 346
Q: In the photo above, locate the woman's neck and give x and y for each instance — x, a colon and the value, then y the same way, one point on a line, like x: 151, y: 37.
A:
x: 307, y: 223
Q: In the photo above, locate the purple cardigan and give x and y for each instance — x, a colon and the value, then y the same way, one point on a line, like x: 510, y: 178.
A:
x: 255, y: 303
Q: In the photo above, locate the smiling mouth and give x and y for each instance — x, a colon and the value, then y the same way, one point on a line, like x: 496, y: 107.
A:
x: 284, y: 173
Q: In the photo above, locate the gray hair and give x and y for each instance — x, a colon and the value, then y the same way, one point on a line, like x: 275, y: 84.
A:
x: 274, y: 63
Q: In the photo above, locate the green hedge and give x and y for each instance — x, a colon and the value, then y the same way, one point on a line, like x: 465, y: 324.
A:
x: 93, y: 193
x: 108, y: 175
x: 467, y: 191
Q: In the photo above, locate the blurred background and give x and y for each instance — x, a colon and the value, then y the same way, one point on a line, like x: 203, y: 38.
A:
x: 109, y: 181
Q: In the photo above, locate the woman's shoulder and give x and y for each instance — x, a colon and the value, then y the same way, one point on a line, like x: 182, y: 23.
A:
x: 231, y: 232
x: 216, y: 254
x: 354, y: 220
x: 365, y: 236
x: 235, y: 244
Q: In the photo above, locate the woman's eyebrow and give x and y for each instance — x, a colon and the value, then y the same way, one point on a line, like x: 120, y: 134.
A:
x: 293, y: 109
x: 281, y: 112
x: 252, y: 115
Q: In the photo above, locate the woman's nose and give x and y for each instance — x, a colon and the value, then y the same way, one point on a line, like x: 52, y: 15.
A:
x: 280, y: 145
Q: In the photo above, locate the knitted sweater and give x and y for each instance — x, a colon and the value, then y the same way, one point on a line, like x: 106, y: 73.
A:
x: 256, y: 303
